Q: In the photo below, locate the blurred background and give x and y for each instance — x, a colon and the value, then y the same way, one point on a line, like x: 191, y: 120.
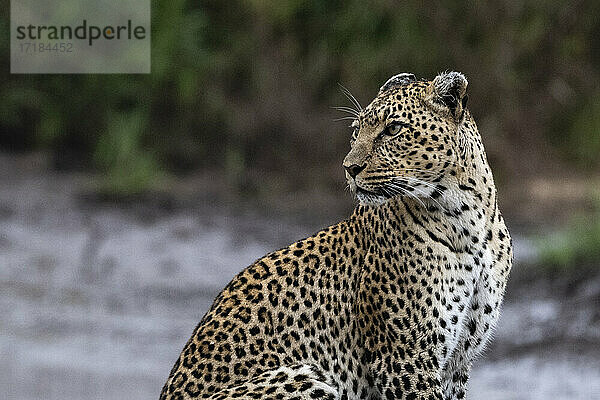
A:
x: 128, y: 201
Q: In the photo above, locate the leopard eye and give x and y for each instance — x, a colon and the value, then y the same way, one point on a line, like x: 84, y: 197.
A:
x: 393, y: 129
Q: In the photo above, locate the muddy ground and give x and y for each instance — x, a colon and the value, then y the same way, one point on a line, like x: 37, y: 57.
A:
x: 97, y: 300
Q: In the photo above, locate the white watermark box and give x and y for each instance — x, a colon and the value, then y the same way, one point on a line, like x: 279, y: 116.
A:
x: 79, y: 36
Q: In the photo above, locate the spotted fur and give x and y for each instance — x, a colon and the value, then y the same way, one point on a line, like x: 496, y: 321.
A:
x: 392, y: 303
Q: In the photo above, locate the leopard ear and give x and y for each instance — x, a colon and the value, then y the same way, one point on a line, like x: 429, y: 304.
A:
x: 397, y: 80
x: 450, y: 90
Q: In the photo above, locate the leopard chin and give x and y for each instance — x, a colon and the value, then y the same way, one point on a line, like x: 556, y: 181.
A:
x: 369, y: 198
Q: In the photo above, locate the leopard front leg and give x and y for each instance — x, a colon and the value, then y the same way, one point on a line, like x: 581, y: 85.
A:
x: 408, y: 375
x: 455, y: 377
x: 478, y: 324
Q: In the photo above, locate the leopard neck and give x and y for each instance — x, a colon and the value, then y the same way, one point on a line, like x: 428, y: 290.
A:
x: 456, y: 221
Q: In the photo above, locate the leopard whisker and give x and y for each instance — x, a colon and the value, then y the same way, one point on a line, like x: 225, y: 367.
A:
x: 422, y: 182
x: 428, y: 184
x: 344, y: 118
x: 401, y: 170
x: 428, y: 196
x: 348, y: 110
x: 400, y: 190
x: 351, y: 97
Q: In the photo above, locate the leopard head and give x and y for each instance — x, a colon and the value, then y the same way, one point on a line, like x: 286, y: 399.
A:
x: 412, y: 138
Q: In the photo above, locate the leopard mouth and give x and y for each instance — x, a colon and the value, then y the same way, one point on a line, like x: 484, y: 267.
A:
x: 400, y: 187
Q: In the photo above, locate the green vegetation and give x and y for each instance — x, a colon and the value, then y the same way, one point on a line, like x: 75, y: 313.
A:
x: 576, y: 245
x: 583, y: 138
x: 248, y: 85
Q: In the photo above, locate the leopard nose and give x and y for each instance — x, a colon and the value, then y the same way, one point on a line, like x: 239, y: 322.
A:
x: 354, y: 169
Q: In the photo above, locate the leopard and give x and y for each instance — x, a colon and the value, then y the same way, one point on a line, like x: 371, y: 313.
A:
x: 394, y: 302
